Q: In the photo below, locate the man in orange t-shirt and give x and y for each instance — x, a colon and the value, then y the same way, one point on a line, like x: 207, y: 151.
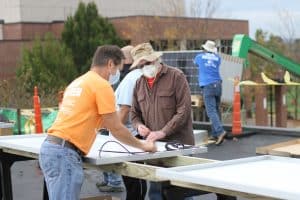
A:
x: 88, y: 104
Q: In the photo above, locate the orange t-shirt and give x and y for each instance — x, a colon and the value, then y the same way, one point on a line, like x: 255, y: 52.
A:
x: 79, y: 117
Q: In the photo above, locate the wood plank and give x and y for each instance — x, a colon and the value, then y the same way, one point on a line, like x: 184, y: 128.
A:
x: 20, y: 153
x: 136, y: 170
x: 178, y: 161
x: 290, y: 151
x: 289, y: 148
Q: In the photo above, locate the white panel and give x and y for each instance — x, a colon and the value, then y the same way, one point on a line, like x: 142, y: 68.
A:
x: 1, y: 31
x: 270, y: 176
x: 4, y: 124
x: 230, y: 68
x: 48, y: 11
x: 10, y: 10
x: 32, y: 143
x: 116, y: 8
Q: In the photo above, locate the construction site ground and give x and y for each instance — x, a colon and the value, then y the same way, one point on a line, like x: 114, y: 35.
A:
x: 27, y: 181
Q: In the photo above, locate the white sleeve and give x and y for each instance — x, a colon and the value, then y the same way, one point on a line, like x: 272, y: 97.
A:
x: 124, y: 92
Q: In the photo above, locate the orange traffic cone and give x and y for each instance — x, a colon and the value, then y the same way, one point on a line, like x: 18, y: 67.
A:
x: 37, y: 112
x: 236, y: 113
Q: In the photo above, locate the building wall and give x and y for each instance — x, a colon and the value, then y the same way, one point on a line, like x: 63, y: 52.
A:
x: 29, y: 31
x: 10, y: 53
x: 12, y: 11
x: 135, y: 20
x: 137, y: 29
x: 165, y: 33
x: 1, y: 31
x: 15, y: 36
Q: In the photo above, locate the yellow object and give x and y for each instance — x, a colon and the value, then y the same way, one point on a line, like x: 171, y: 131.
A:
x: 268, y: 80
x: 248, y: 83
x: 197, y: 100
x: 287, y: 79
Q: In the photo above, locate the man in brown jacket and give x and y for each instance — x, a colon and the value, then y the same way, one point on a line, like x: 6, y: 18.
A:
x: 161, y: 107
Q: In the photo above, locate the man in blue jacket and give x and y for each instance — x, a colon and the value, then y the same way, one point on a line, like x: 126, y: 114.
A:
x: 210, y: 81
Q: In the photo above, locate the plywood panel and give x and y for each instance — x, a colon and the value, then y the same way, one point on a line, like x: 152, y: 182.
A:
x: 290, y: 148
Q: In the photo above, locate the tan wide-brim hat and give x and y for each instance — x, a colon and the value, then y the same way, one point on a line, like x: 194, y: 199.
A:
x: 143, y: 51
x: 210, y: 46
x: 126, y: 51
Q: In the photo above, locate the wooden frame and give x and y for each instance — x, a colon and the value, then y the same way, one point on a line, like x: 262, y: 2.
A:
x: 147, y: 169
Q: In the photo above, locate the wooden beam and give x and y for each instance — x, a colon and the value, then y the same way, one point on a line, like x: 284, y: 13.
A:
x: 20, y: 153
x: 178, y: 161
x: 148, y: 171
x: 135, y: 170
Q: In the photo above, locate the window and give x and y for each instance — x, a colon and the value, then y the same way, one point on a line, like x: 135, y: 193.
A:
x: 225, y: 46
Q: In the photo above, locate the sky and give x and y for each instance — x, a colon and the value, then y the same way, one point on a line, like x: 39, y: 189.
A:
x: 264, y: 14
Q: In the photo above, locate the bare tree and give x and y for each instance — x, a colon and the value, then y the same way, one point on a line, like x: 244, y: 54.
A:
x: 204, y: 8
x: 176, y: 8
x: 288, y: 34
x: 287, y: 25
x: 177, y: 35
x: 196, y: 8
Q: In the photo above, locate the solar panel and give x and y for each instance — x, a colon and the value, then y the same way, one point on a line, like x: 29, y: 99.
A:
x: 184, y: 60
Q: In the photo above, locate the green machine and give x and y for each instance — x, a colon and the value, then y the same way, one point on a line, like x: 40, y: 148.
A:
x: 242, y: 45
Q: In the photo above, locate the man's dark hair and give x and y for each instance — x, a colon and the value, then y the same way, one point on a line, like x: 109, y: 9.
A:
x: 107, y: 52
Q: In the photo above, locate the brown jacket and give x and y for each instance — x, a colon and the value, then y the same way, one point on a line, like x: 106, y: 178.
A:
x: 166, y: 107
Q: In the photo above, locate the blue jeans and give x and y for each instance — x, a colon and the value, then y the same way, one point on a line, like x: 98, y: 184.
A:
x: 63, y: 172
x: 212, y: 98
x: 112, y: 179
x: 155, y: 191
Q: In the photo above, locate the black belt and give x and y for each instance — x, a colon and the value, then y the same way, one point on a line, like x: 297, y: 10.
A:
x: 63, y: 143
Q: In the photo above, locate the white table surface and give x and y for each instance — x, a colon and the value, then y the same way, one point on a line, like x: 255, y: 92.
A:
x: 31, y: 144
x: 271, y: 176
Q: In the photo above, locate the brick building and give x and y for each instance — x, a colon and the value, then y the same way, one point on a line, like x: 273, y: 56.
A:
x: 175, y: 33
x: 135, y: 21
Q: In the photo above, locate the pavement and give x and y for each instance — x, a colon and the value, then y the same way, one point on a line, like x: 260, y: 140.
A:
x: 28, y: 182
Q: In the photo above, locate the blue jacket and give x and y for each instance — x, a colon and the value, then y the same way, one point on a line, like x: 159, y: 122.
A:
x: 208, y: 68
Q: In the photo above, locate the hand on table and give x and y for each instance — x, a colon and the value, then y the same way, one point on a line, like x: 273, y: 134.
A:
x: 156, y: 135
x: 149, y: 146
x: 143, y: 130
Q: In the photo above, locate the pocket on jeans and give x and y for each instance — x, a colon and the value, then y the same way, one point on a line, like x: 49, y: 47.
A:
x: 73, y: 157
x: 50, y: 165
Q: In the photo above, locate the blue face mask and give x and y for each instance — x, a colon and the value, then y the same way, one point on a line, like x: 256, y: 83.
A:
x: 114, y: 78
